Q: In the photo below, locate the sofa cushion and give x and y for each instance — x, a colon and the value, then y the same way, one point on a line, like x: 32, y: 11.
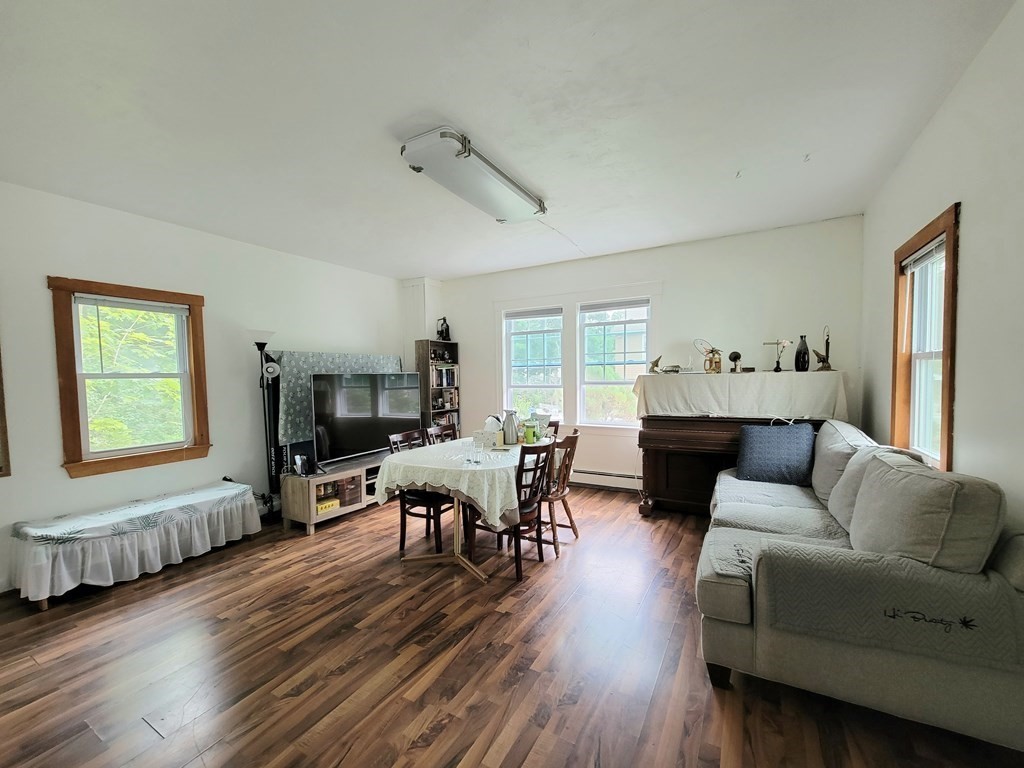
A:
x: 730, y: 489
x: 723, y: 578
x: 834, y: 445
x: 844, y: 495
x: 814, y: 523
x: 1008, y: 559
x: 947, y: 520
x: 776, y: 454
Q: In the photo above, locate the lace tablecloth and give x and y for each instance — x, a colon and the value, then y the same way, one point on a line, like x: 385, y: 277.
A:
x: 490, y: 486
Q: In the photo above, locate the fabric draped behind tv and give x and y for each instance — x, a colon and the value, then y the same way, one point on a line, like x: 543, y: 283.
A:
x: 295, y: 420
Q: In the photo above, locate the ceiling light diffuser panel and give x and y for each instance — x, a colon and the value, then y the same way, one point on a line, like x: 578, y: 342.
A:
x: 448, y: 157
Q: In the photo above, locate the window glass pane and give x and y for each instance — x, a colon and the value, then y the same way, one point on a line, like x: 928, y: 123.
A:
x: 534, y: 363
x: 541, y: 400
x: 128, y: 413
x: 535, y: 347
x: 89, y: 334
x: 929, y: 282
x: 926, y: 358
x: 553, y: 346
x: 636, y: 337
x: 518, y: 348
x: 128, y: 340
x: 926, y: 406
x: 614, y: 354
x: 594, y: 339
x: 608, y: 404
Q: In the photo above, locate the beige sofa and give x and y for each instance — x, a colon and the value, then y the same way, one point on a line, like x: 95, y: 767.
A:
x: 884, y: 583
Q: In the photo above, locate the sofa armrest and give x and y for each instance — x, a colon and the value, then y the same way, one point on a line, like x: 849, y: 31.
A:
x: 888, y: 601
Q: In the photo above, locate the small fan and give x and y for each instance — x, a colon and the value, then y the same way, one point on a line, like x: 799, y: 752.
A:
x: 271, y: 370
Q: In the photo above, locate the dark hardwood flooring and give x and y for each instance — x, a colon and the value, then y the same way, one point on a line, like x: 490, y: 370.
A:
x: 291, y: 650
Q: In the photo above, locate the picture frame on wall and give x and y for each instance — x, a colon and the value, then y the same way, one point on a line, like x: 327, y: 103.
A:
x: 5, y: 456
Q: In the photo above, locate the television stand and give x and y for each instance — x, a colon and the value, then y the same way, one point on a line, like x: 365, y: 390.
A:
x: 344, y: 487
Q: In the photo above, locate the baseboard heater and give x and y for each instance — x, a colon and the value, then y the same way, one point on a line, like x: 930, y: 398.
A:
x: 620, y: 480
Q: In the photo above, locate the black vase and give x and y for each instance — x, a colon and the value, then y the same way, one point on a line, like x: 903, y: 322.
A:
x: 803, y: 355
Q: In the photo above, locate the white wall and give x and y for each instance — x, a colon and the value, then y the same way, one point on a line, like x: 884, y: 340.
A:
x: 311, y: 306
x: 420, y: 311
x: 972, y: 151
x: 736, y: 292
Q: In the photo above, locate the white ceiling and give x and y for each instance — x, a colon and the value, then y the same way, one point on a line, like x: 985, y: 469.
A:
x: 639, y: 123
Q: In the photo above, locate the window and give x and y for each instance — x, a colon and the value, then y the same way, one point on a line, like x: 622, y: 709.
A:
x: 613, y: 341
x: 131, y: 375
x: 533, y: 362
x: 925, y: 318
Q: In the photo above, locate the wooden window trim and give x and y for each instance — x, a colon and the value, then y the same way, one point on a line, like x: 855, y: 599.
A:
x: 63, y: 290
x: 948, y: 224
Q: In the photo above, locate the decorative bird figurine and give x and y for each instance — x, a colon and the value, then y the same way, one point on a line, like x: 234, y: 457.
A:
x: 654, y: 364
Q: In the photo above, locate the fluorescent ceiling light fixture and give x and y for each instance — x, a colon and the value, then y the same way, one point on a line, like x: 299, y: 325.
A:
x: 446, y: 156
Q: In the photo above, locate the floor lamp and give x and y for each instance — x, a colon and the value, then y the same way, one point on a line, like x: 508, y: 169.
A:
x: 269, y: 369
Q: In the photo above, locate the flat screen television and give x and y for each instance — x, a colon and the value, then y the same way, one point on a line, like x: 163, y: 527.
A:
x: 353, y: 413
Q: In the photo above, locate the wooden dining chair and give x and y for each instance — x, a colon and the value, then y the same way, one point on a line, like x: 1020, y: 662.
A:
x: 557, y: 489
x: 426, y: 505
x: 531, y: 474
x: 442, y: 433
x: 553, y: 423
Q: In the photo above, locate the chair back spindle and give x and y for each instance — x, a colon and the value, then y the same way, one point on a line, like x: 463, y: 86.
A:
x: 565, y: 452
x: 404, y: 441
x: 534, y: 467
x: 442, y: 433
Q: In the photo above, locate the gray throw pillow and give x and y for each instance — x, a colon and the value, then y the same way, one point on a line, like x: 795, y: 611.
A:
x: 844, y: 494
x: 942, y: 519
x: 776, y: 454
x: 834, y: 446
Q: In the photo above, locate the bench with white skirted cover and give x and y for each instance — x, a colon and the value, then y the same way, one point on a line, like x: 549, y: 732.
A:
x: 101, y: 548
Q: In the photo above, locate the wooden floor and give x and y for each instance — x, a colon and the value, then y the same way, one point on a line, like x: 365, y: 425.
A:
x: 319, y: 651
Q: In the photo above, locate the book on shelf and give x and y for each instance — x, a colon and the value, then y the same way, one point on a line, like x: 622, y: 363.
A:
x: 444, y: 376
x: 441, y: 419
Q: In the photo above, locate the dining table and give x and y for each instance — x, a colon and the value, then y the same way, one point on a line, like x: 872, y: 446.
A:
x: 484, y: 478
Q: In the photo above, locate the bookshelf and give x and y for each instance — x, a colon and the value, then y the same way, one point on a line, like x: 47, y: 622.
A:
x: 438, y: 365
